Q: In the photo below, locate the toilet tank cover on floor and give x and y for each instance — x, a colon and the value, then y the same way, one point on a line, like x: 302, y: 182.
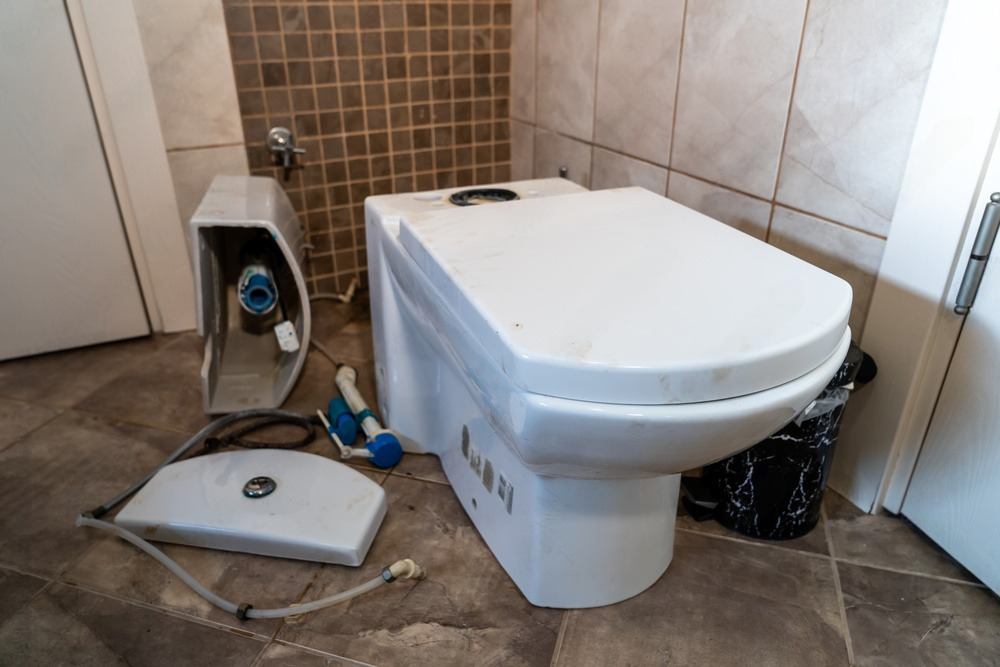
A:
x: 623, y: 296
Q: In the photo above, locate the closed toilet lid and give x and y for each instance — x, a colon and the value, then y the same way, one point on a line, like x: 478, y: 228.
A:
x: 623, y: 296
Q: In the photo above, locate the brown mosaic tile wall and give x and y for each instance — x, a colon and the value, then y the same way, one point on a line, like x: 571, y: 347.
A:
x: 393, y: 96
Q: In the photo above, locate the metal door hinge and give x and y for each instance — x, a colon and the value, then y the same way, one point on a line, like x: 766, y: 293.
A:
x: 980, y: 254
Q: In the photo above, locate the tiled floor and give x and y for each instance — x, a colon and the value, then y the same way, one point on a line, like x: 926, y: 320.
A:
x: 77, y: 427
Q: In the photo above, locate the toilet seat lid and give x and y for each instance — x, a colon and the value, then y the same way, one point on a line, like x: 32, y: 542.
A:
x: 623, y: 296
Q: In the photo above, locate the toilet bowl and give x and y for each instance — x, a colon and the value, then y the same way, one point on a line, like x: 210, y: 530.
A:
x: 568, y: 354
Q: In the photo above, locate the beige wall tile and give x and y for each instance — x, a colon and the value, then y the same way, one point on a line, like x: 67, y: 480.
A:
x: 852, y: 255
x: 637, y: 76
x: 554, y: 150
x: 522, y: 149
x: 746, y: 214
x: 522, y: 60
x: 861, y: 81
x: 613, y: 170
x: 567, y: 61
x: 187, y: 52
x: 194, y: 170
x: 735, y: 84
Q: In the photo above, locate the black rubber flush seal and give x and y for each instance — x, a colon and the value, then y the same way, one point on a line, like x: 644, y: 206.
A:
x: 475, y: 196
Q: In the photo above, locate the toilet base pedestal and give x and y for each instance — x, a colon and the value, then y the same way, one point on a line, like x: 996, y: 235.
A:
x: 567, y: 543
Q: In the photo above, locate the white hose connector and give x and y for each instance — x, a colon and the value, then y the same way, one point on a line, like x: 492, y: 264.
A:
x: 402, y: 568
x: 407, y: 569
x: 346, y: 297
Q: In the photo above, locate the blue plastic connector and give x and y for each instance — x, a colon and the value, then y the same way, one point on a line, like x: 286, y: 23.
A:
x: 342, y: 420
x: 386, y: 450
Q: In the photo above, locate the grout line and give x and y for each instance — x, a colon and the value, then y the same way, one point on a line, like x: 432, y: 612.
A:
x: 821, y: 218
x: 836, y: 584
x: 248, y: 634
x: 29, y: 433
x: 191, y: 149
x: 770, y: 222
x: 589, y: 180
x: 126, y: 422
x: 754, y: 543
x: 534, y: 93
x: 260, y: 654
x: 911, y: 573
x: 560, y: 637
x: 18, y: 570
x: 14, y: 612
x: 597, y: 78
x: 677, y: 86
x: 322, y: 654
x: 416, y: 478
x: 791, y: 100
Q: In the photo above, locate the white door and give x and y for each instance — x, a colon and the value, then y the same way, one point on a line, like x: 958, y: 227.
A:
x: 954, y: 493
x: 66, y: 275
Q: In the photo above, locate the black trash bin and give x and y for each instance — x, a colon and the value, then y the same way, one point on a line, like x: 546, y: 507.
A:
x: 774, y: 489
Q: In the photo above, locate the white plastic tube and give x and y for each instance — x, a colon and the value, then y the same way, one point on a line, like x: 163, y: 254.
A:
x: 346, y: 380
x: 404, y: 568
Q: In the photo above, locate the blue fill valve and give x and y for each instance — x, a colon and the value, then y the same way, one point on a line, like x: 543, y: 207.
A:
x: 386, y: 450
x: 342, y: 420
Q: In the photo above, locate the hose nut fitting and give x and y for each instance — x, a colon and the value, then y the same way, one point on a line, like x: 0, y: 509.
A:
x: 407, y: 569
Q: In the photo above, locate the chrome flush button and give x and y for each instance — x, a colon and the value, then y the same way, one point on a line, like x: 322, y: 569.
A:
x: 258, y: 487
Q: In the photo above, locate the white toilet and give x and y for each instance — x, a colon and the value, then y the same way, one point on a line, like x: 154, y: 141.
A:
x: 567, y: 355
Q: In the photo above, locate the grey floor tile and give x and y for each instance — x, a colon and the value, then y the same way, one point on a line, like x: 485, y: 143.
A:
x: 813, y: 542
x: 16, y: 590
x: 467, y: 612
x: 421, y: 466
x: 344, y: 329
x: 719, y: 603
x: 69, y: 626
x: 70, y: 464
x: 164, y: 391
x: 885, y: 541
x: 282, y: 655
x: 119, y: 568
x: 329, y: 317
x: 901, y: 619
x: 353, y: 343
x: 62, y: 379
x: 19, y: 417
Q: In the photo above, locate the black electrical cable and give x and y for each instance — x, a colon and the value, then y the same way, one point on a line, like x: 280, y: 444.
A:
x: 236, y: 437
x: 205, y: 432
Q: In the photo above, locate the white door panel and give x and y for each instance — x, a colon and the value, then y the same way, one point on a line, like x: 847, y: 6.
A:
x: 66, y: 272
x: 954, y: 493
